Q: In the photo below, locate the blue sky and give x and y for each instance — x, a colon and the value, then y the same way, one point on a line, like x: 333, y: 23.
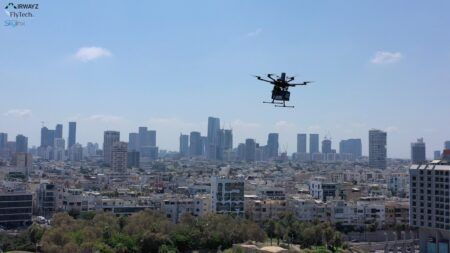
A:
x: 169, y: 65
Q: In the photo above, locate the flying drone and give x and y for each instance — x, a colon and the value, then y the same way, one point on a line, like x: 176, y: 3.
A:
x: 280, y: 91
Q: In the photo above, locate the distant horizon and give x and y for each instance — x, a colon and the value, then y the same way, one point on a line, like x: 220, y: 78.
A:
x: 238, y: 124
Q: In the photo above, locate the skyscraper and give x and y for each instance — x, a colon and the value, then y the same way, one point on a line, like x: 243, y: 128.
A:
x: 447, y: 145
x: 147, y: 138
x: 59, y: 131
x: 59, y: 152
x: 326, y: 146
x: 72, y: 134
x: 351, y: 146
x: 184, y: 145
x: 228, y: 139
x: 149, y: 153
x: 21, y: 144
x: 213, y: 138
x: 109, y: 138
x: 3, y: 140
x: 377, y: 149
x: 313, y: 143
x: 301, y: 143
x: 272, y: 145
x: 152, y: 138
x: 143, y: 137
x: 195, y: 146
x: 76, y: 152
x: 133, y: 142
x: 418, y: 152
x: 250, y: 150
x: 119, y: 156
x: 133, y: 159
x: 47, y: 137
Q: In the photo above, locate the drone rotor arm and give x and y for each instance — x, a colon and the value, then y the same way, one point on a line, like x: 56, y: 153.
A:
x: 270, y: 77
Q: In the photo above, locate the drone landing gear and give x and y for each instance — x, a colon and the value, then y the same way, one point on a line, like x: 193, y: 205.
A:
x: 275, y: 103
x: 287, y: 106
x: 279, y: 104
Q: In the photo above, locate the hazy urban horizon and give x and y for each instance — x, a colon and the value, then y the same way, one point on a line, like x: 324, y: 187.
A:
x: 169, y: 129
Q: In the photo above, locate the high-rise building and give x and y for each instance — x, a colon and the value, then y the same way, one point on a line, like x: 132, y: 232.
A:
x: 21, y: 144
x: 351, y: 146
x: 224, y: 144
x: 147, y: 138
x: 213, y: 138
x: 184, y: 145
x: 377, y: 149
x: 429, y: 204
x: 109, y: 138
x: 72, y: 134
x: 240, y: 155
x: 301, y: 143
x: 76, y: 152
x: 149, y: 153
x: 91, y: 149
x: 119, y: 156
x: 59, y: 131
x: 228, y: 139
x: 24, y: 161
x: 250, y: 150
x: 195, y: 147
x: 59, y: 152
x: 47, y: 137
x: 326, y: 146
x: 143, y: 137
x: 418, y: 153
x: 227, y: 196
x: 447, y: 145
x: 204, y: 145
x: 133, y: 159
x: 313, y: 143
x: 272, y: 145
x: 3, y: 140
x: 133, y: 142
x: 437, y: 154
x: 152, y: 137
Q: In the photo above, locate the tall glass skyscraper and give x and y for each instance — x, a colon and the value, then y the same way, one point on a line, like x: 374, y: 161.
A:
x: 213, y: 138
x: 72, y: 134
x: 377, y: 149
x: 313, y: 143
x: 301, y: 143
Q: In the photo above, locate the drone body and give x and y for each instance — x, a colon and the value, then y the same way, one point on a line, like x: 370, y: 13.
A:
x: 280, y: 91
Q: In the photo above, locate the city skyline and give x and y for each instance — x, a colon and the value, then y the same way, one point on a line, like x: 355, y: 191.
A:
x: 198, y: 62
x: 336, y: 144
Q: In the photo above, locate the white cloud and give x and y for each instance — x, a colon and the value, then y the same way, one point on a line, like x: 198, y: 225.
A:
x: 283, y: 123
x: 382, y: 57
x: 18, y: 113
x: 86, y: 54
x: 314, y: 128
x: 241, y: 124
x: 357, y: 125
x: 104, y: 118
x: 172, y: 122
x: 255, y: 33
x: 391, y: 129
